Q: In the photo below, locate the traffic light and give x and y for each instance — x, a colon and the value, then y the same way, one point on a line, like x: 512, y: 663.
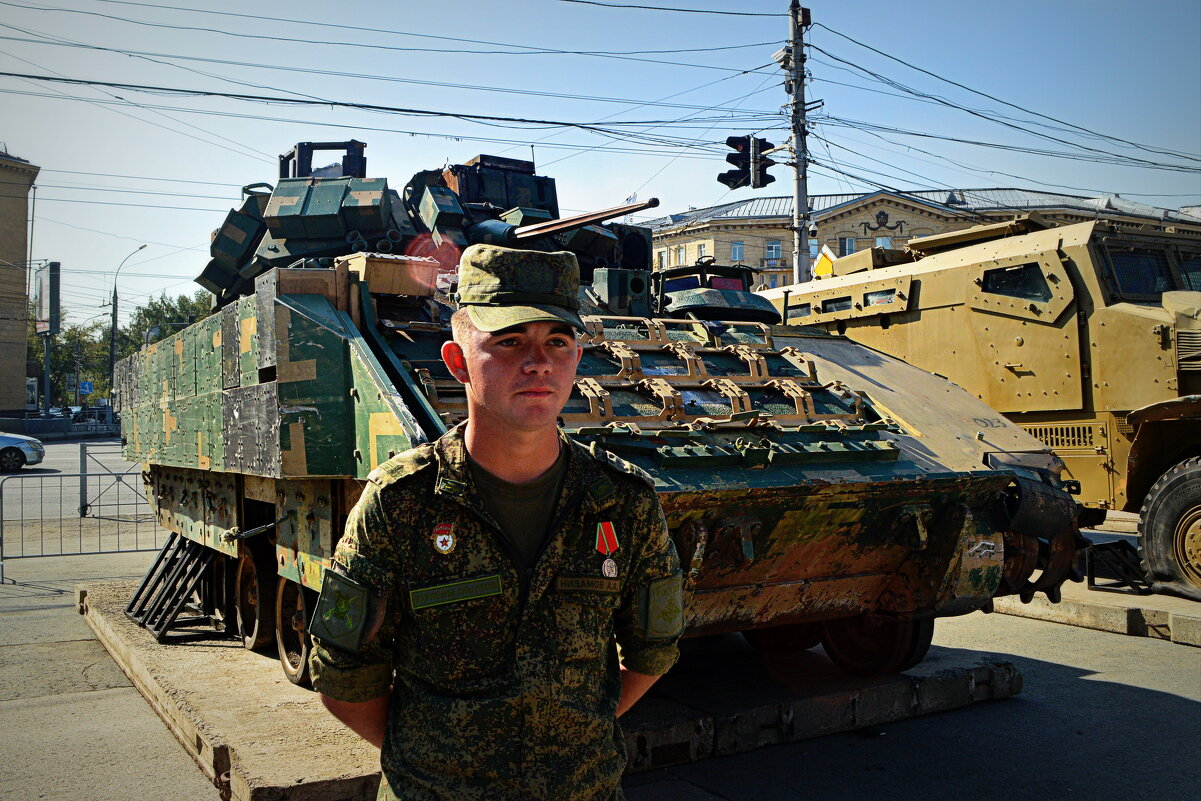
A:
x: 752, y: 167
x: 740, y: 158
x: 760, y: 163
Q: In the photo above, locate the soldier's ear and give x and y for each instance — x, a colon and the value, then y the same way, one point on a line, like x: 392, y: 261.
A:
x: 456, y: 360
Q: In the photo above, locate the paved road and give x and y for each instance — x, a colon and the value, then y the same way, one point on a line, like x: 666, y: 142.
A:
x: 1103, y: 716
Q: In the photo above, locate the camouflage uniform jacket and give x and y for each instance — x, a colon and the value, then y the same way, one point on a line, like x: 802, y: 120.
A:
x: 503, y: 686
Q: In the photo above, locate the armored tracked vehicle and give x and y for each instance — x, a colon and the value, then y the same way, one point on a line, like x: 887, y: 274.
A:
x: 1087, y: 336
x: 815, y: 489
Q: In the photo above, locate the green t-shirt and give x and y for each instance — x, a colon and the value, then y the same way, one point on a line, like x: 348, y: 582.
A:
x: 523, y: 510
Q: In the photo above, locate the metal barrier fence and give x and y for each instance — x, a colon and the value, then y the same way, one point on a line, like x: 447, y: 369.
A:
x: 98, y: 510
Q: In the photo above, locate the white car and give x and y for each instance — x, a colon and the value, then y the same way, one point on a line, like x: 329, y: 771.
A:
x: 18, y: 450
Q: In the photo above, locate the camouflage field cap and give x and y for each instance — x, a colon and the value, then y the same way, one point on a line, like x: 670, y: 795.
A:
x: 502, y: 287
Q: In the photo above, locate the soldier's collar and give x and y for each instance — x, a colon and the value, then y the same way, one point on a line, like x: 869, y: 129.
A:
x: 583, y: 471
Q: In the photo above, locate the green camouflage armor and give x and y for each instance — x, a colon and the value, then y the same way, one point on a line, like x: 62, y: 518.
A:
x: 503, y: 686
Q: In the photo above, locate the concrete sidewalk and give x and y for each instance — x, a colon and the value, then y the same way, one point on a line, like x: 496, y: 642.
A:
x: 71, y: 724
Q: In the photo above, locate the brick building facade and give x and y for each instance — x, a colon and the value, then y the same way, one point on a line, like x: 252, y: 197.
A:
x: 16, y: 177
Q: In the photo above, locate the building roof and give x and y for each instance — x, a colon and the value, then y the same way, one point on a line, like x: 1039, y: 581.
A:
x: 4, y: 154
x: 953, y: 201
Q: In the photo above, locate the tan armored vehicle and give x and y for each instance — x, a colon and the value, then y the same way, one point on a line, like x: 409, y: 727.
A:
x: 1085, y: 335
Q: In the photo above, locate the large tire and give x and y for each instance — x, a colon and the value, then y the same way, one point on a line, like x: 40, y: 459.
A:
x: 869, y: 645
x: 293, y: 608
x: 254, y: 599
x: 11, y: 460
x: 1170, y: 531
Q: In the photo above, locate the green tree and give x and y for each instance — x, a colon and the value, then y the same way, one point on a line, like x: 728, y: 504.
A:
x: 160, y: 318
x: 78, y: 351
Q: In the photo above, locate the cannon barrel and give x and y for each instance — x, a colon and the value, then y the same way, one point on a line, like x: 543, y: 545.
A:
x: 550, y: 227
x: 498, y: 232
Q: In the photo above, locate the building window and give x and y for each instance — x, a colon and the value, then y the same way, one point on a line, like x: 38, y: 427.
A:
x: 773, y: 250
x: 846, y: 245
x: 737, y: 252
x: 680, y: 256
x: 884, y: 242
x: 814, y: 250
x: 773, y: 280
x: 700, y: 250
x: 661, y: 258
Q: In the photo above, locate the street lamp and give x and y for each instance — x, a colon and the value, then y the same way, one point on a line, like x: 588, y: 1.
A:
x: 112, y: 339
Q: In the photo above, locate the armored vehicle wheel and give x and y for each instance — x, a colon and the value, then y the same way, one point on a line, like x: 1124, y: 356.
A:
x: 11, y: 460
x: 292, y: 630
x: 783, y: 641
x: 1170, y: 531
x: 254, y: 587
x: 876, y: 646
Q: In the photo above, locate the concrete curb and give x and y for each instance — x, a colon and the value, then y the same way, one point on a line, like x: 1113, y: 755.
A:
x: 1134, y: 615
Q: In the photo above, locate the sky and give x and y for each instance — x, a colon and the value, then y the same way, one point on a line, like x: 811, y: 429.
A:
x: 1119, y: 85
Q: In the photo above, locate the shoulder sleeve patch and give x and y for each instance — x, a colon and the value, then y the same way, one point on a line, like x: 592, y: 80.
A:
x: 341, y: 612
x: 664, y: 608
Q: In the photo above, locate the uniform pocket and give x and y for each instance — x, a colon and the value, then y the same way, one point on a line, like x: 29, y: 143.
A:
x: 585, y: 622
x: 461, y: 633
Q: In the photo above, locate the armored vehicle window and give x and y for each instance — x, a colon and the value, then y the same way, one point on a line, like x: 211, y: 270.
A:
x: 799, y: 310
x: 1190, y: 270
x: 726, y: 283
x: 836, y: 304
x: 1025, y: 281
x: 879, y: 297
x: 686, y: 282
x: 1140, y: 272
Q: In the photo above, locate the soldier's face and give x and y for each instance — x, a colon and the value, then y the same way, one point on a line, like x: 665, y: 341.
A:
x: 519, y: 377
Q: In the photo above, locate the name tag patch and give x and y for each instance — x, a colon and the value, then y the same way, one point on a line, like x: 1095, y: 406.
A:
x: 454, y: 592
x: 609, y: 586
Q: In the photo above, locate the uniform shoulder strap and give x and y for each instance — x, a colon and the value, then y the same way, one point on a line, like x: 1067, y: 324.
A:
x: 402, y: 465
x: 614, y: 463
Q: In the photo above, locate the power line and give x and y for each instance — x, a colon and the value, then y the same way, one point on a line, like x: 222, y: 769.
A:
x: 344, y: 126
x: 120, y: 191
x: 678, y: 10
x: 358, y: 29
x: 359, y: 45
x: 1115, y: 159
x: 1024, y: 110
x: 416, y: 112
x: 339, y: 74
x: 139, y: 177
x: 1002, y: 121
x: 967, y: 168
x: 155, y: 124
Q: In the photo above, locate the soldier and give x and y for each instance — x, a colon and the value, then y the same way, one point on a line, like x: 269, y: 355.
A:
x: 470, y: 626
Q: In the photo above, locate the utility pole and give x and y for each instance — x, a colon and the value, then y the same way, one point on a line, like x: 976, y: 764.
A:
x: 798, y: 21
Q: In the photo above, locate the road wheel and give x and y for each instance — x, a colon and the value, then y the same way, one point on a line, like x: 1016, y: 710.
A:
x: 292, y: 630
x: 869, y: 645
x: 1170, y: 531
x: 783, y: 642
x: 254, y: 588
x: 11, y: 460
